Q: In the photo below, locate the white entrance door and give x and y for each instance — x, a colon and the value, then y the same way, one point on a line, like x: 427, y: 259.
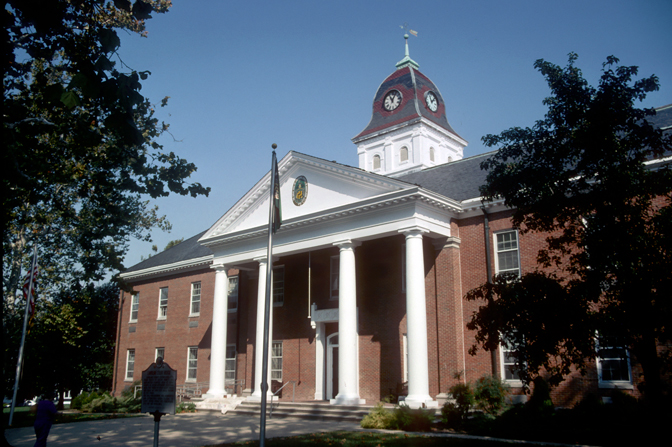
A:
x: 332, y: 366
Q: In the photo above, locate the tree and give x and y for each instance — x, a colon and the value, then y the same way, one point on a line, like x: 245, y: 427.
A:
x: 582, y: 177
x: 79, y: 140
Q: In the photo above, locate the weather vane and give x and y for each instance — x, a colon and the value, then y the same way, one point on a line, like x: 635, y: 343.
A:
x: 408, y: 30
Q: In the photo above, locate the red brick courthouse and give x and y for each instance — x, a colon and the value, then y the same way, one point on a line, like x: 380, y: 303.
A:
x: 370, y: 269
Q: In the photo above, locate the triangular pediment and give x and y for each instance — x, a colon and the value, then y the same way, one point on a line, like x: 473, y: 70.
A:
x: 329, y: 185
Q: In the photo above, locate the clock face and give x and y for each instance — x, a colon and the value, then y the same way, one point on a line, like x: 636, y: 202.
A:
x: 432, y: 101
x: 392, y: 100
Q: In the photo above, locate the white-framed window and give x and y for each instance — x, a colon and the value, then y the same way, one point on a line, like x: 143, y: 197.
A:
x: 192, y: 364
x: 163, y: 303
x: 135, y: 304
x: 195, y: 308
x: 160, y: 352
x: 403, y: 154
x: 278, y: 286
x: 334, y: 269
x: 276, y: 361
x: 507, y: 259
x: 508, y: 366
x: 130, y: 364
x: 233, y: 294
x: 613, y: 363
x: 376, y: 162
x: 230, y: 363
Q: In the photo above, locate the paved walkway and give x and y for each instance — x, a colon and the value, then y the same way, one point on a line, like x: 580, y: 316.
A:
x: 185, y: 430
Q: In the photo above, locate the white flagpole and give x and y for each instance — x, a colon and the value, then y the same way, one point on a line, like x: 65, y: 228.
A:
x: 31, y: 272
x: 267, y: 309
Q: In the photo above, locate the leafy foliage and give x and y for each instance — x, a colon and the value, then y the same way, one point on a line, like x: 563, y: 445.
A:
x: 581, y: 177
x: 185, y: 407
x: 490, y: 394
x: 402, y: 417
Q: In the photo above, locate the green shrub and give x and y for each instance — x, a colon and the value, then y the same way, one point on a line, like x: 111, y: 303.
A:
x: 185, y: 407
x: 129, y: 391
x: 408, y: 419
x: 490, y: 394
x: 464, y: 398
x: 540, y: 401
x: 379, y: 417
x: 451, y: 416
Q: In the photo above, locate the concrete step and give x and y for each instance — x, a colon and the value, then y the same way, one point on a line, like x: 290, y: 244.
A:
x: 306, y: 410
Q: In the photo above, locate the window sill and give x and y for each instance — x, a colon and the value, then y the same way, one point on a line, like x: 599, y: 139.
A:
x: 128, y: 380
x: 513, y: 383
x: 616, y: 385
x: 133, y: 322
x: 190, y: 381
x: 193, y: 315
x: 161, y: 319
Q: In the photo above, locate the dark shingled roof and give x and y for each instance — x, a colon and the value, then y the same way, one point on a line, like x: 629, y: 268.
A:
x: 413, y: 86
x: 458, y: 180
x: 189, y: 249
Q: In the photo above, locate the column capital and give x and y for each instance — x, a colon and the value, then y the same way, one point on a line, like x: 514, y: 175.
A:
x: 263, y: 259
x: 415, y: 230
x: 219, y: 267
x: 449, y: 242
x: 346, y: 244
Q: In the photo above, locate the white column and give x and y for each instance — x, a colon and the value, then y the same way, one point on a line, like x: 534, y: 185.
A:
x: 348, y: 373
x: 259, y: 340
x: 416, y: 322
x: 219, y: 327
x: 319, y: 360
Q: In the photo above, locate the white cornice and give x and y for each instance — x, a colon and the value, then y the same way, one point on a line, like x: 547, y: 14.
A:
x: 167, y: 269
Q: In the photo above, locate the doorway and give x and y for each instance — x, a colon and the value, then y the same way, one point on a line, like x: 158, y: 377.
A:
x: 332, y: 366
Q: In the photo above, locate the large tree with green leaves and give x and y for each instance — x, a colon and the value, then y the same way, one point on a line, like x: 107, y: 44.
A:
x: 80, y: 148
x: 80, y: 156
x: 584, y: 177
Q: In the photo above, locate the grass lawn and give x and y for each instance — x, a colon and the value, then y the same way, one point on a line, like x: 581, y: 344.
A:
x: 24, y: 418
x: 366, y: 439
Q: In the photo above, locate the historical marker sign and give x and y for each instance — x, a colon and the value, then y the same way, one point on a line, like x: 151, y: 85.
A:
x: 159, y: 387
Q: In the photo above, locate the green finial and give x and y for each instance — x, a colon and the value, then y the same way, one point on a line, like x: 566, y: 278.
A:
x: 406, y: 61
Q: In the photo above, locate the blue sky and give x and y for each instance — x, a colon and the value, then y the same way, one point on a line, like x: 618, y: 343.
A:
x: 242, y: 75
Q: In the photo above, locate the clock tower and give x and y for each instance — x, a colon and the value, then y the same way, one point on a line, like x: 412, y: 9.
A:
x: 408, y: 130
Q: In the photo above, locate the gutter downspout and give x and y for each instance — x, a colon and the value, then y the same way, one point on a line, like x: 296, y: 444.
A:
x: 494, y: 357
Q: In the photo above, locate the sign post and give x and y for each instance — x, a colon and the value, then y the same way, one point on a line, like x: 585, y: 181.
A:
x: 159, y: 388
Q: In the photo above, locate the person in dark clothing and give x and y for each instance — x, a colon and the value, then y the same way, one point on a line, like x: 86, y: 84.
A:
x: 46, y: 412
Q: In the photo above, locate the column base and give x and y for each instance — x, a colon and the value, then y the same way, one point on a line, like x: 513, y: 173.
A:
x: 215, y: 395
x: 420, y: 402
x: 347, y: 400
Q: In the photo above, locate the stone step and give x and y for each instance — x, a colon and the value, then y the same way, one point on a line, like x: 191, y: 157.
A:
x: 306, y: 410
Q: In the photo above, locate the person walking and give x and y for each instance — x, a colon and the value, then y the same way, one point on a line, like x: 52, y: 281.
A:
x: 46, y: 412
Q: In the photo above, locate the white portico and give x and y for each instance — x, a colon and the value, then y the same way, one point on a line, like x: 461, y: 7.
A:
x: 344, y: 207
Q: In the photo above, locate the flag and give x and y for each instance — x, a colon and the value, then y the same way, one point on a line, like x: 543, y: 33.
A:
x: 29, y: 290
x: 277, y: 205
x: 415, y: 33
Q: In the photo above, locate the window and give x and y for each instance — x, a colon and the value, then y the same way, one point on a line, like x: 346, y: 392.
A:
x: 135, y: 303
x: 507, y: 259
x: 333, y: 277
x: 233, y: 294
x: 160, y: 352
x: 403, y: 154
x: 195, y: 298
x: 508, y: 363
x: 613, y: 363
x: 278, y: 286
x: 163, y: 303
x: 230, y: 365
x: 192, y: 364
x: 376, y: 162
x: 431, y: 154
x: 130, y: 364
x: 276, y: 361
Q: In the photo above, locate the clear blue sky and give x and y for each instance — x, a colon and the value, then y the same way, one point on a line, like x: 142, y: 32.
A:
x: 242, y: 75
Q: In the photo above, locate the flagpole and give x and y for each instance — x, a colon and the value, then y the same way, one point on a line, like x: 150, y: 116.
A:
x: 269, y: 271
x: 23, y: 334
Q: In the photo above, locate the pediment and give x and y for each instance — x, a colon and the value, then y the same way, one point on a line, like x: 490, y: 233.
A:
x: 329, y: 185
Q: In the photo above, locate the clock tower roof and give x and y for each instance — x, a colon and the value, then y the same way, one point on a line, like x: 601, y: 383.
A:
x: 417, y: 98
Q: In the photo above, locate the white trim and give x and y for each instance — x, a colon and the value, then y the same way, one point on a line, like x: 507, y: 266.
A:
x: 134, y: 297
x: 156, y: 353
x: 163, y: 310
x: 621, y: 384
x: 281, y: 356
x: 189, y: 350
x: 508, y: 250
x: 330, y: 366
x: 128, y: 361
x: 514, y: 383
x: 191, y: 299
x: 233, y: 310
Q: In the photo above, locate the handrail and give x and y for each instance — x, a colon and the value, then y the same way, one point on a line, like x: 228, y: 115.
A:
x: 280, y: 389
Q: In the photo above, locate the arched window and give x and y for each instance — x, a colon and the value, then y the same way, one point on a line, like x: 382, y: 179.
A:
x: 403, y: 154
x: 376, y: 162
x: 431, y: 154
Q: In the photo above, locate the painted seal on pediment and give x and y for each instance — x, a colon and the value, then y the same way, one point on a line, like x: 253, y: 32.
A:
x: 300, y: 190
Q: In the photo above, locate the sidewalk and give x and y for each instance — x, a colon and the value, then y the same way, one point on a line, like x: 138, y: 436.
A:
x: 184, y: 430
